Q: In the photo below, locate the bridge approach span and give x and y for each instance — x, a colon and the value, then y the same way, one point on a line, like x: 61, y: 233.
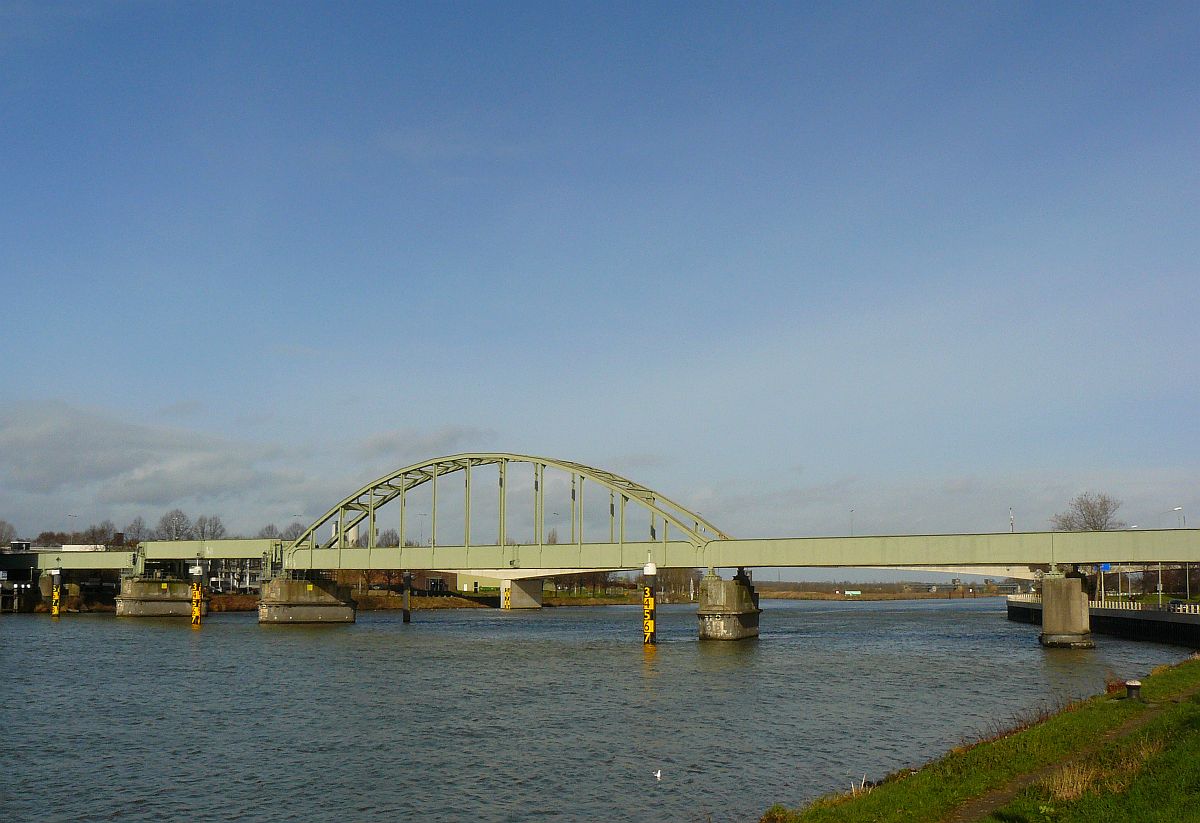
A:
x: 1022, y: 549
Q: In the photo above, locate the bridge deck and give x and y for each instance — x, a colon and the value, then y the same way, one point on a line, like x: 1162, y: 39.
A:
x: 944, y: 550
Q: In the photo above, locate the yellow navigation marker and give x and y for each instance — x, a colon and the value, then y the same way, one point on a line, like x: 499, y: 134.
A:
x: 197, y: 600
x: 649, y: 617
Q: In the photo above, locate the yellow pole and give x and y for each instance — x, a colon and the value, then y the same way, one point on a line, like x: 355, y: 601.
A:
x: 196, y: 600
x: 649, y: 617
x: 197, y: 592
x: 55, y: 592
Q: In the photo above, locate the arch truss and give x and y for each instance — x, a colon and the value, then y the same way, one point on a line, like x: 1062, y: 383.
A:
x: 336, y: 528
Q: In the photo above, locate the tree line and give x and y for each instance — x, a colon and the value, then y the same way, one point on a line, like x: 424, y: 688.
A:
x: 173, y: 525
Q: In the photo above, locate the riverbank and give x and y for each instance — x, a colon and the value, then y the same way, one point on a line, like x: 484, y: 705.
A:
x: 1107, y: 758
x: 772, y: 594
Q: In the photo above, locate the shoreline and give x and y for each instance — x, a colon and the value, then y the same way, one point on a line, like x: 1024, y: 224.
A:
x: 1107, y: 757
x: 790, y: 594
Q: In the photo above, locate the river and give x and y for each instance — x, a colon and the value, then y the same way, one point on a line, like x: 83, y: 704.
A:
x: 483, y: 715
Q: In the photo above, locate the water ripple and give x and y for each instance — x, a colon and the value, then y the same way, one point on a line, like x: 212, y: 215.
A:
x: 557, y: 715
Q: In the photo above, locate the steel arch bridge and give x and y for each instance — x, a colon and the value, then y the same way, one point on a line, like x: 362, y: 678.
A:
x: 677, y: 537
x: 361, y: 507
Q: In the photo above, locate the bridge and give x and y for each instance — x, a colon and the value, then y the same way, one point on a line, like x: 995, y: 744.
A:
x: 614, y: 524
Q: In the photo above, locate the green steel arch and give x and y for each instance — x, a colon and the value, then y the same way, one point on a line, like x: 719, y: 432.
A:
x: 362, y: 504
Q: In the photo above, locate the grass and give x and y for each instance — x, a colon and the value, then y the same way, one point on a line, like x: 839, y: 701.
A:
x: 1118, y: 769
x: 1150, y: 776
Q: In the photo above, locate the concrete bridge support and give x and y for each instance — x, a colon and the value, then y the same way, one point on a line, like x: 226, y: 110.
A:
x: 1066, y: 622
x: 156, y: 597
x: 521, y: 594
x: 728, y: 609
x: 305, y: 601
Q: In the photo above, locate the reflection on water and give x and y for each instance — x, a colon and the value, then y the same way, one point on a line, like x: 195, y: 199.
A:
x: 560, y: 714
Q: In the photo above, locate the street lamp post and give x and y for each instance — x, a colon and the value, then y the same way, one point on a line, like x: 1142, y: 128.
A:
x: 852, y: 522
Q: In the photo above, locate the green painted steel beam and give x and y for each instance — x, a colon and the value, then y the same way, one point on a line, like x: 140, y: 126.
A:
x: 209, y: 549
x: 123, y: 560
x: 1005, y: 548
x: 559, y: 556
x: 959, y: 550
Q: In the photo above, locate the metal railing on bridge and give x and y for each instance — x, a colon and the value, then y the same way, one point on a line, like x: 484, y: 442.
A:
x: 1126, y: 605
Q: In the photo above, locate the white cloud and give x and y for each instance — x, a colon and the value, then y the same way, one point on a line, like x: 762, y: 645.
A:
x: 53, y: 455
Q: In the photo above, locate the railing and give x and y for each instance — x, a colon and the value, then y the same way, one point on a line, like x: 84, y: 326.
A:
x: 1025, y: 598
x: 1177, y: 608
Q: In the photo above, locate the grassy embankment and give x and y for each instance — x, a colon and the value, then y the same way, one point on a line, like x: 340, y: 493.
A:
x: 1102, y: 759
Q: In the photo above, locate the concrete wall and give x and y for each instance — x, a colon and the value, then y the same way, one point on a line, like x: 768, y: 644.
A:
x: 1065, y: 618
x: 521, y: 594
x: 727, y: 610
x: 1150, y: 624
x: 305, y: 601
x: 145, y: 597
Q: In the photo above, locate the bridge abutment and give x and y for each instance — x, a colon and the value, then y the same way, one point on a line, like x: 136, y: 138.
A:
x: 305, y: 601
x: 1066, y: 622
x: 728, y: 609
x: 156, y: 597
x: 521, y: 594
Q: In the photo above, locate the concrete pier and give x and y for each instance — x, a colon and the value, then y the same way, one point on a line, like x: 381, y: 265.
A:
x: 1065, y: 617
x: 305, y: 601
x: 728, y: 609
x: 521, y: 594
x: 152, y: 597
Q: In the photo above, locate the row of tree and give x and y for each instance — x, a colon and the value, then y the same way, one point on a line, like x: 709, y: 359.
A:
x: 174, y: 525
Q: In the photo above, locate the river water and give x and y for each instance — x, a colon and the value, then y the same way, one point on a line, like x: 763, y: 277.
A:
x: 483, y: 715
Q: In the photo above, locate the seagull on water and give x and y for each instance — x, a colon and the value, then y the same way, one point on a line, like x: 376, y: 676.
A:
x: 658, y: 774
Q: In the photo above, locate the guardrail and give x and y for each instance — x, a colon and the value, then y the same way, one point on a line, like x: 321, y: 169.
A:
x: 1177, y: 608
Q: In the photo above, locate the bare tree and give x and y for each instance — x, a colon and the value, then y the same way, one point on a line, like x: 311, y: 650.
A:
x: 270, y: 530
x: 552, y: 538
x: 209, y: 528
x: 389, y: 537
x: 1089, y: 512
x: 8, y: 532
x: 293, y: 530
x: 99, y: 534
x: 137, y: 530
x: 174, y: 525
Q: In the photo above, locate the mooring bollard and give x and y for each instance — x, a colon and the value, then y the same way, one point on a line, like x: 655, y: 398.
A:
x: 649, y: 621
x: 1133, y: 689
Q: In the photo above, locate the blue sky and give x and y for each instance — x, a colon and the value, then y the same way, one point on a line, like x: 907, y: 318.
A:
x: 925, y: 261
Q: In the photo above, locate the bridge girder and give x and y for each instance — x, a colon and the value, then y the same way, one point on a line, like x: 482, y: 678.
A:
x: 362, y: 504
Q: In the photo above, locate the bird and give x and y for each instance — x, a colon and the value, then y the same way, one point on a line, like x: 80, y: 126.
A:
x: 658, y: 774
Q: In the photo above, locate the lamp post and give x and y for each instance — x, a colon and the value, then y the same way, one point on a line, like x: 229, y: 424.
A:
x: 1182, y: 517
x: 852, y: 522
